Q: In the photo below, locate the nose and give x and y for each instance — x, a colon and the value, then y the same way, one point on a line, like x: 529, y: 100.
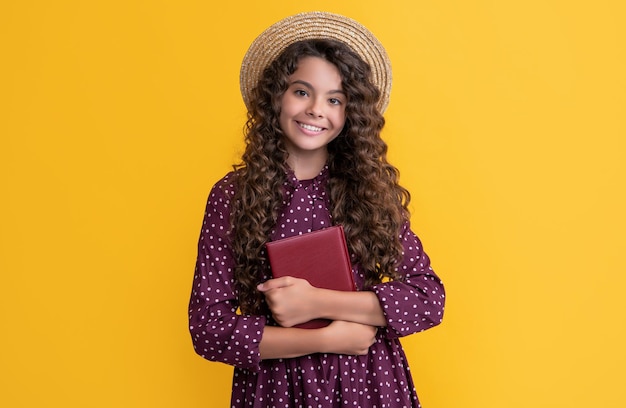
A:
x: 315, y: 108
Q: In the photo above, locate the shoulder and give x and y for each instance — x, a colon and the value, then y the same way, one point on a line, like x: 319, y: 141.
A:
x: 221, y: 194
x: 226, y: 186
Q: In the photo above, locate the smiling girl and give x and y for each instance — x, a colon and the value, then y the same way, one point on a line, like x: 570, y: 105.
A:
x: 314, y: 158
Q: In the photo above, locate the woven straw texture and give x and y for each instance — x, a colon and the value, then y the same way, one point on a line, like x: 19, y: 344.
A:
x: 304, y: 26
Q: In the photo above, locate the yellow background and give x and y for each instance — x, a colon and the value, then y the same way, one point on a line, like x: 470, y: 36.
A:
x: 507, y: 121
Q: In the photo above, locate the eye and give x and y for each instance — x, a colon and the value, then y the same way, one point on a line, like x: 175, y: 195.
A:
x: 335, y: 101
x: 301, y: 92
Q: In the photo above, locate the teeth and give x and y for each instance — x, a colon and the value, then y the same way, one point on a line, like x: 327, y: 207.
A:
x: 311, y: 128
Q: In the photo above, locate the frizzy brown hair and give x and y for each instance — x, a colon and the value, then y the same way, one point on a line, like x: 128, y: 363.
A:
x: 365, y: 196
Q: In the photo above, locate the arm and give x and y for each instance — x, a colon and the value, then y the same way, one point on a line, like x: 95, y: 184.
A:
x: 404, y: 307
x: 360, y: 307
x: 417, y: 302
x: 218, y: 333
x: 339, y: 337
x: 293, y: 301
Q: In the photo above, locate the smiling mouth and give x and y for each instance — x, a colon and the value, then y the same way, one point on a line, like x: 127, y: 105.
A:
x: 310, y: 127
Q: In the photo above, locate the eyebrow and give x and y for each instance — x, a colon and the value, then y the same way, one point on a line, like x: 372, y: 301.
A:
x: 308, y: 85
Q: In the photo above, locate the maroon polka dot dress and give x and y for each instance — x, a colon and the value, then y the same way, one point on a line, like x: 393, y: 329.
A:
x: 379, y: 379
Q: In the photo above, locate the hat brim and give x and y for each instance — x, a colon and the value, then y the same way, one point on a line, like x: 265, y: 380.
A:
x: 311, y: 25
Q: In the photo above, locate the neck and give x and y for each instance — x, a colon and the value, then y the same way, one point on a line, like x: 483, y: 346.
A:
x: 306, y: 168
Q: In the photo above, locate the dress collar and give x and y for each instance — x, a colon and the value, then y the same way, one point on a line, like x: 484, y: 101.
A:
x: 293, y: 182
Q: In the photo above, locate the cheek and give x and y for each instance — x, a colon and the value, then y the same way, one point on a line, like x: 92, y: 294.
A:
x: 286, y: 107
x: 285, y: 116
x: 282, y: 119
x: 341, y: 119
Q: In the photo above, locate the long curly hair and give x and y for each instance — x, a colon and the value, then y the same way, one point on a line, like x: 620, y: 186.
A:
x: 365, y: 196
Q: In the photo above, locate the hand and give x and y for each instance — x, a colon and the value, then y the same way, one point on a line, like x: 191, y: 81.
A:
x: 349, y: 337
x: 291, y: 300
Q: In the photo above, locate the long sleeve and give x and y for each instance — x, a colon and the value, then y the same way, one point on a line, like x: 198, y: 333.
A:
x: 218, y: 332
x: 417, y: 302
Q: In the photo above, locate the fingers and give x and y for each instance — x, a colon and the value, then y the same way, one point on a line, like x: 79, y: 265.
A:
x: 275, y: 283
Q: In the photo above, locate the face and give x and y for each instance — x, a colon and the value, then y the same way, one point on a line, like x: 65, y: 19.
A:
x: 313, y: 109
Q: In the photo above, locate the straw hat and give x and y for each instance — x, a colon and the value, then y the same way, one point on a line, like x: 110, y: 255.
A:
x: 304, y: 26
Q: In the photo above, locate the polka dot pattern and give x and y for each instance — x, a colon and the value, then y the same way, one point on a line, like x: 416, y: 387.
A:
x: 381, y: 379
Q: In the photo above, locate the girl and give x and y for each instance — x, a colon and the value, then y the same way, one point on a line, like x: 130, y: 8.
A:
x: 314, y: 158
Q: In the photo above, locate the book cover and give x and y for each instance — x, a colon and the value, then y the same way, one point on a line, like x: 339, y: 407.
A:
x: 321, y: 257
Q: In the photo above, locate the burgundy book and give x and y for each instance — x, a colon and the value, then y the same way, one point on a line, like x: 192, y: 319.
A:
x: 321, y: 257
